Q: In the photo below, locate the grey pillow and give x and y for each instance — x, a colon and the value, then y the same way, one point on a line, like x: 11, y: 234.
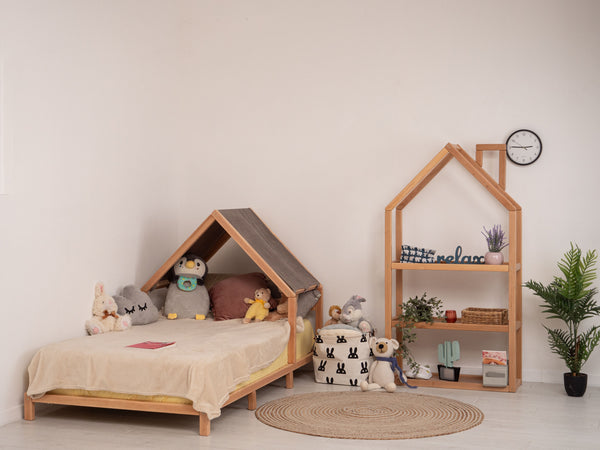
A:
x: 137, y: 305
x: 158, y: 297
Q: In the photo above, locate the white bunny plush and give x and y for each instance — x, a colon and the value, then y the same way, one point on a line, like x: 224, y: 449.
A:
x: 104, y: 314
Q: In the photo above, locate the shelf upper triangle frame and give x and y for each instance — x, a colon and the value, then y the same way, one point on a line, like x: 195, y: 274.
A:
x: 428, y: 173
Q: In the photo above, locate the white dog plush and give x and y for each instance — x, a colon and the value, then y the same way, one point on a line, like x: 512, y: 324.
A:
x: 381, y: 372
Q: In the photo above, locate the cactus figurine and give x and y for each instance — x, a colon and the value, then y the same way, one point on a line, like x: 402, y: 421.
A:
x: 448, y: 352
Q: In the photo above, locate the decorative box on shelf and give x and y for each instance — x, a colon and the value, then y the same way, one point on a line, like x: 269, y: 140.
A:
x: 488, y: 316
x: 495, y: 375
x: 495, y: 368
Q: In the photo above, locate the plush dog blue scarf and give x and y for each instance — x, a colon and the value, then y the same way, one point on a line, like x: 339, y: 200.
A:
x: 395, y: 368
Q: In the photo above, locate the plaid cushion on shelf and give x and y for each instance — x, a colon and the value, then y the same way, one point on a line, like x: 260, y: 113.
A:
x: 416, y: 254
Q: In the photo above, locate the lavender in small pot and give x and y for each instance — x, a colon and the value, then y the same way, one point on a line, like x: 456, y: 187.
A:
x: 496, y: 241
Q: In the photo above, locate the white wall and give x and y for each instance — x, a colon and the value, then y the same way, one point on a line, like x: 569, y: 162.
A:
x: 91, y: 99
x: 126, y: 123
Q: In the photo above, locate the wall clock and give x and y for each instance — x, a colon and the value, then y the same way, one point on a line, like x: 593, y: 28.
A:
x: 523, y: 147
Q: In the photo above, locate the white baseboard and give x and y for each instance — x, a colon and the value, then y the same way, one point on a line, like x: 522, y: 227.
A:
x: 555, y: 376
x: 11, y: 414
x: 537, y: 375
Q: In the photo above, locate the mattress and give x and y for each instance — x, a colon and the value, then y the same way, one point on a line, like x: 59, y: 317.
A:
x: 304, y: 346
x: 210, y: 359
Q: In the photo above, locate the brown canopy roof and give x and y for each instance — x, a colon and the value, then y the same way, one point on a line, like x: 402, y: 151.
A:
x: 255, y: 238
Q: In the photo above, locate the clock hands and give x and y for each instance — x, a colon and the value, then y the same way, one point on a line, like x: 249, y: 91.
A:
x: 521, y: 146
x: 516, y: 146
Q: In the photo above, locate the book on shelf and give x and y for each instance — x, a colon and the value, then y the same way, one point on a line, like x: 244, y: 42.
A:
x: 494, y: 357
x: 153, y: 345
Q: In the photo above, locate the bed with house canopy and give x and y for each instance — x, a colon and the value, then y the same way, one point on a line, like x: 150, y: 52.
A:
x: 214, y: 362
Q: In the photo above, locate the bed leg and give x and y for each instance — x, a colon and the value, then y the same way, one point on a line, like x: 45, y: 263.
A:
x: 28, y: 408
x: 204, y: 425
x: 289, y: 380
x: 252, y: 401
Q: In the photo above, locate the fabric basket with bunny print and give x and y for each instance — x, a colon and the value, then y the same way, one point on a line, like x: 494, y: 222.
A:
x: 341, y: 356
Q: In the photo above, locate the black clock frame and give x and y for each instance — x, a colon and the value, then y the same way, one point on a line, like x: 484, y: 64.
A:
x: 529, y: 131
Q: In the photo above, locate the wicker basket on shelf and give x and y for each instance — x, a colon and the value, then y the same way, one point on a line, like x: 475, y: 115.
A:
x: 488, y: 316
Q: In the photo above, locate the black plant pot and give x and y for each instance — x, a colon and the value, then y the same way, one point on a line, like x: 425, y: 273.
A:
x: 575, y: 385
x: 448, y: 373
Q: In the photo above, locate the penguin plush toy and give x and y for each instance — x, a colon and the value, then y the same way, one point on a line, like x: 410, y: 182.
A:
x: 187, y: 297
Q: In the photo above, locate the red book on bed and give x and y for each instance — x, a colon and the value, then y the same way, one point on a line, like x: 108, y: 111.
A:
x: 152, y: 345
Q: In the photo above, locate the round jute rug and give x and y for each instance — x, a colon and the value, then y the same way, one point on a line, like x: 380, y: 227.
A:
x: 369, y: 415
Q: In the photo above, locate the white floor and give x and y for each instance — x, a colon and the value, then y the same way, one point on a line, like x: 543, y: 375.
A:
x: 537, y: 416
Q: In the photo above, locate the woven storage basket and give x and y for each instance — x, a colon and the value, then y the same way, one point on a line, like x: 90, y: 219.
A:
x: 341, y: 356
x: 488, y: 316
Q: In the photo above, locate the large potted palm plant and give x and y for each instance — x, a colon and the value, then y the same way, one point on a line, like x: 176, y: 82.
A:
x: 570, y: 298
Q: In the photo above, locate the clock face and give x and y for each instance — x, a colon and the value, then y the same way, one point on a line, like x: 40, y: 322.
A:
x: 523, y: 147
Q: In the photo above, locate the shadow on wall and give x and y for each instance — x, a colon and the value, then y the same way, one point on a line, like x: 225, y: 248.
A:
x: 158, y: 241
x: 232, y: 259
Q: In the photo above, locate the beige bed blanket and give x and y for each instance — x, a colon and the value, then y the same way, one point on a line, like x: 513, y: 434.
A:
x: 209, y: 359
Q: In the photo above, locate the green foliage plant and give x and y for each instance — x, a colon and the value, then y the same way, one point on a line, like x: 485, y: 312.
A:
x: 415, y: 309
x: 570, y: 298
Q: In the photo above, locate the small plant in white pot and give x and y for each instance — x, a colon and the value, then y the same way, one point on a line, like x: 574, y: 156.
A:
x: 496, y: 241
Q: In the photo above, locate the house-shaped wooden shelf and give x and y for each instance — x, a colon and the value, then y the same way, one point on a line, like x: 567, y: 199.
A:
x: 394, y: 268
x: 259, y: 243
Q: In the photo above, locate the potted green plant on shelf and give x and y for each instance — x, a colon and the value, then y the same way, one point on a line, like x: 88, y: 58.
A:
x: 415, y: 309
x: 496, y: 241
x: 570, y: 298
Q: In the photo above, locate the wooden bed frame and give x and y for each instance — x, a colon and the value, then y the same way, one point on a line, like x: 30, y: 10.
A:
x: 173, y: 408
x: 208, y: 238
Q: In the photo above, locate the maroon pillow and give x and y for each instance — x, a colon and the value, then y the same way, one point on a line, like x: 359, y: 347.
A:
x: 227, y: 296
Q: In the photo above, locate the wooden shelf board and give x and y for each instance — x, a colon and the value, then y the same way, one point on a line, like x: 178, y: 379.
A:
x: 469, y: 382
x: 453, y: 267
x: 459, y: 326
